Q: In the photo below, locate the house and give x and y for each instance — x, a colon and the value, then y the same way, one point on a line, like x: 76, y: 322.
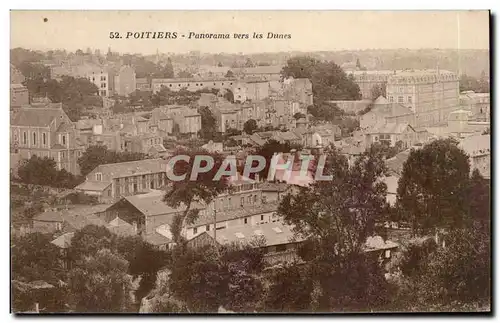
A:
x: 384, y: 111
x: 45, y: 130
x: 478, y: 148
x: 16, y: 77
x: 110, y: 182
x: 19, y: 96
x: 390, y: 134
x: 213, y: 147
x: 125, y: 81
x: 477, y: 103
x: 277, y: 240
x: 142, y: 84
x: 142, y: 143
x: 145, y: 212
x: 68, y: 220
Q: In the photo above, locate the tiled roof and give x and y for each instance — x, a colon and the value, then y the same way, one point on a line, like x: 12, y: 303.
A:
x: 273, y: 234
x: 63, y: 241
x: 36, y: 117
x: 93, y: 186
x: 138, y: 167
x: 389, y: 128
x: 273, y: 187
x: 64, y: 215
x: 156, y: 239
x: 78, y: 222
x: 151, y: 204
x: 380, y: 100
x: 65, y: 127
x: 208, y: 217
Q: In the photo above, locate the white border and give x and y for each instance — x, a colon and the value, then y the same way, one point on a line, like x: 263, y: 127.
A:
x: 225, y: 5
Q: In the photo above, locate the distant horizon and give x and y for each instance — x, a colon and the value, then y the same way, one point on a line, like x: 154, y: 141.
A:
x: 103, y: 52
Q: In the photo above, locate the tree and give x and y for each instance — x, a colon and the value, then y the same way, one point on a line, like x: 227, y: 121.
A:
x: 168, y: 70
x: 33, y: 257
x: 379, y: 90
x: 326, y: 112
x: 208, y: 123
x: 43, y: 171
x: 188, y: 191
x: 142, y: 98
x: 184, y: 74
x: 100, y: 284
x: 298, y: 116
x: 229, y: 95
x: 335, y: 217
x: 479, y: 201
x: 97, y: 155
x: 229, y: 74
x: 249, y: 63
x: 290, y: 290
x: 433, y: 186
x: 469, y: 83
x: 250, y: 126
x: 328, y: 79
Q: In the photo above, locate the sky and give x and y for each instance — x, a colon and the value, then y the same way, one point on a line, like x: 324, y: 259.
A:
x: 308, y: 30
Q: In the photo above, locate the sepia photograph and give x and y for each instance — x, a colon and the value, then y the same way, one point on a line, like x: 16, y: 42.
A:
x: 250, y: 162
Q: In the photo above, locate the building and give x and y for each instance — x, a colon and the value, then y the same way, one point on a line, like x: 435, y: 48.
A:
x: 142, y: 143
x: 251, y: 90
x: 430, y: 94
x: 270, y: 73
x: 19, y: 96
x: 16, y: 77
x: 192, y: 84
x: 142, y: 84
x: 110, y: 182
x: 390, y: 133
x: 352, y: 107
x: 478, y: 148
x: 477, y: 103
x: 367, y: 80
x: 124, y: 81
x: 68, y: 220
x: 44, y: 130
x: 96, y: 74
x: 384, y: 111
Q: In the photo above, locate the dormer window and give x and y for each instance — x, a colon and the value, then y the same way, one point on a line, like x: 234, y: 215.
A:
x: 98, y: 177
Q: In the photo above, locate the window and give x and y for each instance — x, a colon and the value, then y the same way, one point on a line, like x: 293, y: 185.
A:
x: 170, y: 85
x: 58, y: 226
x: 98, y: 176
x: 103, y: 85
x: 249, y: 199
x: 34, y: 138
x: 245, y: 220
x: 207, y: 227
x: 44, y: 139
x: 409, y: 99
x: 135, y: 187
x: 255, y: 198
x: 400, y: 99
x: 391, y: 98
x: 152, y: 184
x: 93, y: 79
x: 25, y: 138
x: 262, y: 217
x: 195, y: 230
x: 64, y: 140
x: 103, y: 93
x: 242, y: 201
x: 63, y: 154
x: 264, y: 199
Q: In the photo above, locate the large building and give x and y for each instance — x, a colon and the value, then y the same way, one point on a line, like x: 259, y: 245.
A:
x: 124, y: 81
x: 367, y: 80
x: 111, y: 182
x: 477, y: 103
x: 44, y: 130
x: 192, y: 84
x: 96, y: 74
x: 431, y: 94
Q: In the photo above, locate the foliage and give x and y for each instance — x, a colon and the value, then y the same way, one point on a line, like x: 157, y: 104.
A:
x: 33, y: 258
x: 100, y: 155
x: 100, y: 284
x: 298, y: 116
x: 75, y: 93
x: 379, y: 90
x: 250, y: 126
x: 469, y: 83
x: 208, y: 278
x: 229, y: 74
x: 433, y: 187
x: 269, y: 149
x: 328, y: 79
x: 229, y: 95
x: 290, y: 290
x: 336, y: 216
x: 43, y: 171
x: 326, y: 112
x: 184, y: 74
x: 140, y: 98
x: 208, y: 123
